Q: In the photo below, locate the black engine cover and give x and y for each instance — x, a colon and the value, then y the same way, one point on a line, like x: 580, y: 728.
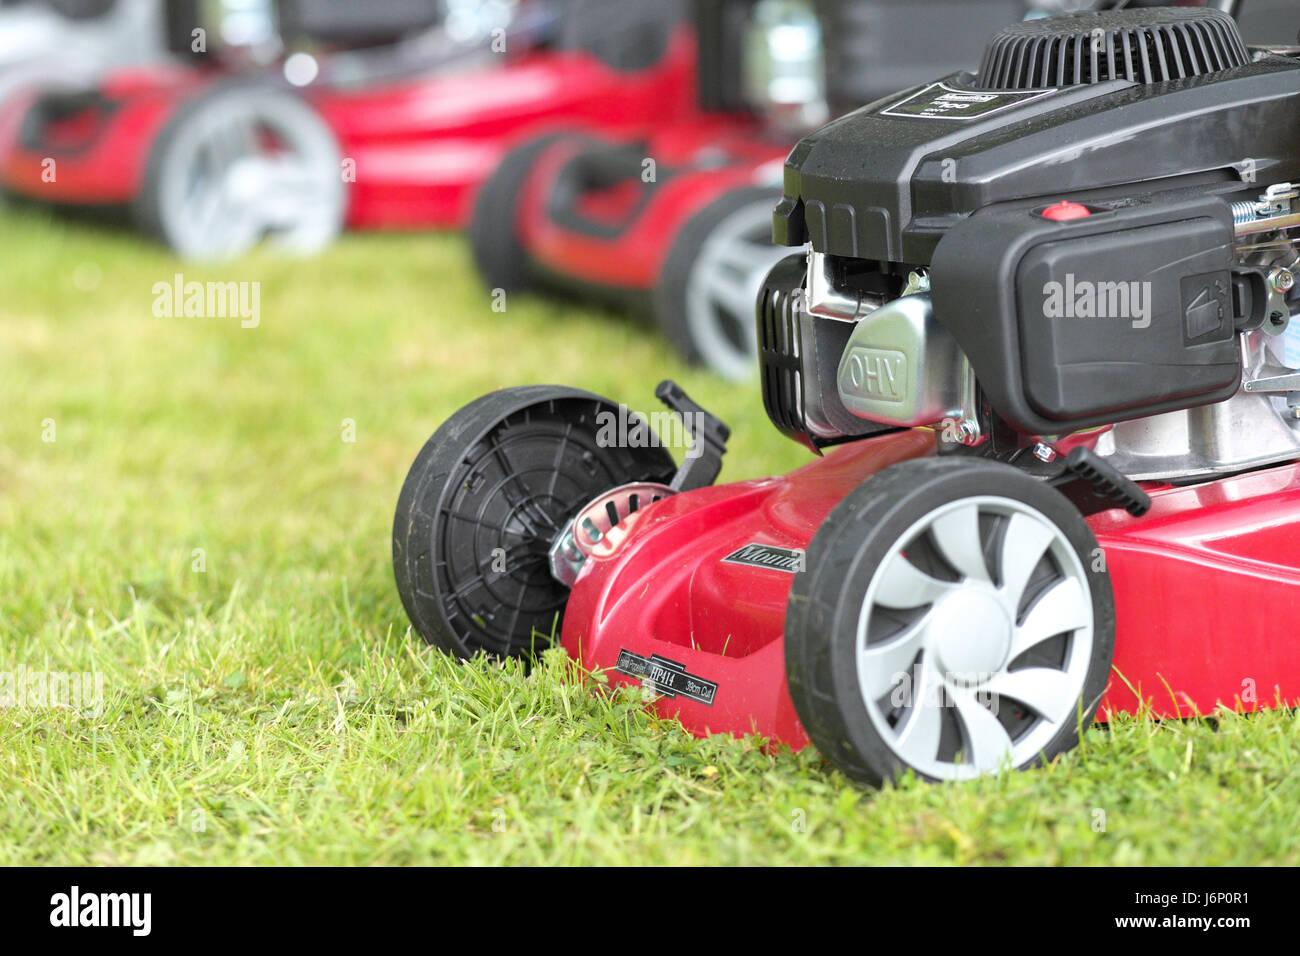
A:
x: 887, y: 181
x: 1122, y: 314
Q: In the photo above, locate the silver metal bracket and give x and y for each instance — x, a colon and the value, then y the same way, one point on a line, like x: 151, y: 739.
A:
x: 582, y: 533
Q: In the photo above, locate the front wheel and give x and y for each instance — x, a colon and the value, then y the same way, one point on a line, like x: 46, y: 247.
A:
x: 949, y: 622
x: 485, y: 501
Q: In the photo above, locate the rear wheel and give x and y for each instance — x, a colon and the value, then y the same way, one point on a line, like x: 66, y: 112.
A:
x: 707, y: 292
x: 499, y: 256
x: 484, y: 503
x: 239, y: 164
x: 949, y: 622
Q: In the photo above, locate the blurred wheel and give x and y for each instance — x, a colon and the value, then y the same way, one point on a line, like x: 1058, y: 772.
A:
x: 499, y: 256
x: 707, y: 293
x: 241, y: 164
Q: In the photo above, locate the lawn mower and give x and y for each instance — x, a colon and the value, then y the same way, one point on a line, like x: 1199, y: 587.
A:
x: 1039, y: 338
x: 44, y: 40
x: 214, y: 158
x: 678, y: 222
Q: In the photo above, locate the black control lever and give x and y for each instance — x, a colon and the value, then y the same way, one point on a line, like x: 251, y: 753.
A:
x: 708, y: 436
x: 1094, y: 484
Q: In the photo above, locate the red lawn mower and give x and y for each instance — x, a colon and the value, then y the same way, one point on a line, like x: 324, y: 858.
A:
x: 678, y: 222
x: 215, y: 158
x: 61, y: 40
x: 1040, y: 340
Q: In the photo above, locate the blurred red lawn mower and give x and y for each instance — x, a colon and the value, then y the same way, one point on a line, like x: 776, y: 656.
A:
x: 66, y: 40
x: 679, y: 222
x: 1042, y: 331
x: 214, y: 158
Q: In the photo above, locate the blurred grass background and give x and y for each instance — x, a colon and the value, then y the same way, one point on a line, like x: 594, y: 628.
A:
x: 273, y: 708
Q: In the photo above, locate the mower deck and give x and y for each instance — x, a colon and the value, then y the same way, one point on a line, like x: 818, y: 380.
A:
x: 1205, y: 585
x: 420, y: 147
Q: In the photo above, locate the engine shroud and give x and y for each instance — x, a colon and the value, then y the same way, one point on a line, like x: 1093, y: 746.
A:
x: 889, y: 180
x: 1147, y: 46
x: 1129, y: 310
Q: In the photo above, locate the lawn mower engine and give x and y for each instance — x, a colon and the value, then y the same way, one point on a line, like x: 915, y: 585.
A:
x: 1040, y: 340
x: 1075, y: 248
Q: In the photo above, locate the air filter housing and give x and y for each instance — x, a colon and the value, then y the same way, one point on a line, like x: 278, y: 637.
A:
x: 1145, y: 46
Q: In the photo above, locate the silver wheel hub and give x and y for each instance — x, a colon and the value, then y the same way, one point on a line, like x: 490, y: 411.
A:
x: 975, y: 638
x: 245, y: 169
x: 246, y: 180
x: 723, y: 287
x: 972, y: 632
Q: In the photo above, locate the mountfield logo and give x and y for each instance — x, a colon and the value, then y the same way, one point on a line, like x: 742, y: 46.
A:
x: 768, y: 556
x: 1084, y: 299
x: 74, y: 908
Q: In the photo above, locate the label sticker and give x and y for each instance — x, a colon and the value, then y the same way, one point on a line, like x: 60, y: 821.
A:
x: 768, y: 556
x: 941, y: 101
x: 666, y: 677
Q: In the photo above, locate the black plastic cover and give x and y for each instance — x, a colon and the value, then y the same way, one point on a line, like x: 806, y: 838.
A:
x: 1122, y: 314
x: 627, y: 35
x: 721, y: 27
x: 873, y: 49
x: 358, y: 24
x: 886, y: 182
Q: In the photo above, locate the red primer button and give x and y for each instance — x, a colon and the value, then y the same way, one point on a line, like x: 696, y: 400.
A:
x: 1064, y: 211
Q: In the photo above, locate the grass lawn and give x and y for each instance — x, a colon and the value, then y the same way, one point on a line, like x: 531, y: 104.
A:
x: 200, y: 533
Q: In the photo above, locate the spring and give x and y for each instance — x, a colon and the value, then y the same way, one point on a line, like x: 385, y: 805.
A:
x: 1243, y: 212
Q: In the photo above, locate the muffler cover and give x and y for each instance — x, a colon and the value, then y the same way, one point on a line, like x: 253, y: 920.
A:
x: 798, y: 355
x: 901, y: 367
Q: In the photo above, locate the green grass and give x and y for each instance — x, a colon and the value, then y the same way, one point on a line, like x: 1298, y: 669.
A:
x: 273, y: 708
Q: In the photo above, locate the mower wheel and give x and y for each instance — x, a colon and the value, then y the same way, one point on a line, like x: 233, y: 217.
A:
x: 484, y: 501
x: 499, y: 256
x: 951, y: 622
x: 240, y: 163
x: 708, y: 289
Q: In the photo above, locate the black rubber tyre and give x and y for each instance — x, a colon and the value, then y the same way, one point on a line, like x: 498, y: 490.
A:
x: 689, y: 325
x: 827, y: 605
x: 490, y: 490
x: 499, y: 256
